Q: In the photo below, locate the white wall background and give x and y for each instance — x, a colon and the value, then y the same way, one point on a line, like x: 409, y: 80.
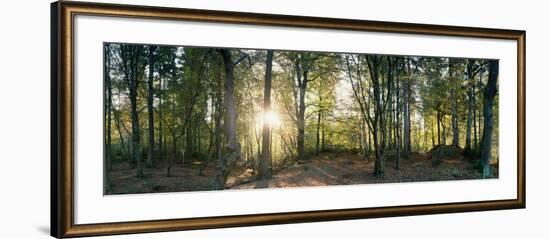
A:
x: 24, y: 118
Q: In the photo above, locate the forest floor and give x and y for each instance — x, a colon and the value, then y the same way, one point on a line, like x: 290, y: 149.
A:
x: 321, y: 170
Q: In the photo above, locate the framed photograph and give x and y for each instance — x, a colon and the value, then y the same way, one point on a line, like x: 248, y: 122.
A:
x: 170, y: 119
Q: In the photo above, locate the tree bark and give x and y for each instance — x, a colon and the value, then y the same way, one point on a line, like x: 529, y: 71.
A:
x: 151, y: 123
x: 454, y: 105
x: 265, y: 162
x: 406, y: 110
x: 374, y: 64
x: 443, y: 130
x: 232, y: 146
x: 397, y: 124
x: 469, y: 70
x: 489, y: 96
x: 131, y: 60
x: 160, y: 147
x: 109, y: 100
x: 301, y: 115
x: 438, y: 116
x: 318, y: 136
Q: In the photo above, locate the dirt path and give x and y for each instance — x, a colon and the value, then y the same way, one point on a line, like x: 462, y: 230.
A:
x: 346, y: 169
x: 322, y: 170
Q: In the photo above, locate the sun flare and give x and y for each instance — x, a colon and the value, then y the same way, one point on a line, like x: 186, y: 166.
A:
x: 271, y: 118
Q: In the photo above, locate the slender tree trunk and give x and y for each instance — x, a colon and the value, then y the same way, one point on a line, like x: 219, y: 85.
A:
x: 198, y: 132
x: 301, y: 117
x: 373, y: 62
x: 322, y: 135
x: 369, y: 140
x: 397, y: 125
x: 130, y: 55
x: 151, y: 123
x: 389, y: 103
x: 470, y: 73
x: 489, y: 96
x: 454, y: 106
x: 361, y: 136
x: 432, y: 133
x: 438, y: 127
x: 211, y: 124
x: 136, y: 138
x: 161, y: 129
x: 479, y: 115
x: 109, y: 100
x: 444, y: 131
x: 474, y: 112
x: 119, y: 130
x: 265, y: 162
x: 318, y: 138
x: 217, y: 118
x: 425, y: 146
x: 406, y: 111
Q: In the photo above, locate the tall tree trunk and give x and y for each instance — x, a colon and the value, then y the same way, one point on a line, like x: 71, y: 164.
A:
x: 318, y: 136
x: 406, y: 110
x: 130, y: 56
x: 425, y: 146
x: 109, y: 100
x: 188, y: 137
x: 361, y: 136
x: 397, y: 125
x: 373, y: 63
x: 489, y: 96
x: 136, y: 138
x: 433, y: 133
x: 479, y: 114
x: 301, y: 116
x: 474, y: 114
x: 265, y: 162
x: 454, y: 106
x: 151, y: 123
x: 369, y: 140
x: 389, y: 104
x: 322, y: 135
x: 160, y: 147
x: 438, y: 127
x: 232, y: 146
x: 469, y: 70
x: 443, y: 129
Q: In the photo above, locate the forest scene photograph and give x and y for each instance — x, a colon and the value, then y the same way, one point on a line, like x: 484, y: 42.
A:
x: 187, y: 118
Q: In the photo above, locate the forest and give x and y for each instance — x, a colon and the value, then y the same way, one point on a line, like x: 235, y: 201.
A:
x: 181, y: 118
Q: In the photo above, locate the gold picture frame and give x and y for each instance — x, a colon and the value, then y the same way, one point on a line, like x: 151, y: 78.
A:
x: 62, y: 128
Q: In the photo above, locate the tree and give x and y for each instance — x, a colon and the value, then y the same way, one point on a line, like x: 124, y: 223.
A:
x: 303, y: 63
x: 265, y: 162
x: 365, y: 92
x: 108, y: 111
x: 472, y: 69
x: 232, y: 146
x: 454, y: 101
x: 397, y: 123
x: 407, y: 107
x: 489, y: 96
x: 360, y: 89
x: 150, y: 120
x: 133, y: 66
x: 374, y: 63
